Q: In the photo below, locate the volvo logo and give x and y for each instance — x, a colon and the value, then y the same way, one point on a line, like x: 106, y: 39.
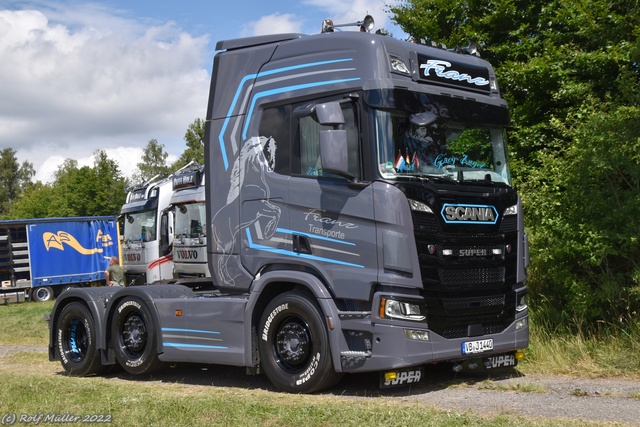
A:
x: 132, y: 257
x: 186, y: 254
x: 469, y: 214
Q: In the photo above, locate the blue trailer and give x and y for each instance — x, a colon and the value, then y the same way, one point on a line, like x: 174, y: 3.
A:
x: 41, y: 257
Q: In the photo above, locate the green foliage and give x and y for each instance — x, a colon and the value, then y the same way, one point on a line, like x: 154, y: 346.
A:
x: 14, y: 179
x: 569, y: 70
x: 194, y: 137
x: 154, y: 163
x: 85, y: 191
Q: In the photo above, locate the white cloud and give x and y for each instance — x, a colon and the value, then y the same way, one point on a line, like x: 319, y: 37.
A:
x: 342, y: 12
x: 273, y: 24
x: 76, y: 80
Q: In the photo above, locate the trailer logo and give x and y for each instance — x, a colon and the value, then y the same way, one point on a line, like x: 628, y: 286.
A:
x: 469, y: 214
x: 62, y: 238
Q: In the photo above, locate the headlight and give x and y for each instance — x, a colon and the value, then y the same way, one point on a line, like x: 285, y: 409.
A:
x: 402, y: 310
x: 511, y: 210
x: 398, y: 65
x: 522, y: 303
x: 419, y: 206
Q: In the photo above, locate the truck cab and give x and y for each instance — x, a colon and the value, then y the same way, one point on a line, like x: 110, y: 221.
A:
x: 147, y: 235
x: 188, y: 208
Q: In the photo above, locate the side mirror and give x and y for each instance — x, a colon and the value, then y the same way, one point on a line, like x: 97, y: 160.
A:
x: 423, y: 119
x: 330, y: 114
x: 333, y: 152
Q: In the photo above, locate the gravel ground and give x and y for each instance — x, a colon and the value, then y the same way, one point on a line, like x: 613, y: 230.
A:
x: 606, y: 399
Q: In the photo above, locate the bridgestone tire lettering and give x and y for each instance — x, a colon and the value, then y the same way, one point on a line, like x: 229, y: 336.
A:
x: 294, y: 345
x: 75, y: 344
x: 133, y: 337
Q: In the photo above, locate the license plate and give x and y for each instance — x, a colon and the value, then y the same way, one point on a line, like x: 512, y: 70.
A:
x: 401, y: 377
x: 480, y: 346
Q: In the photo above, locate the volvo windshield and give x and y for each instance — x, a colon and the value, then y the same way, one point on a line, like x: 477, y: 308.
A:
x: 140, y: 226
x: 190, y: 220
x: 425, y: 145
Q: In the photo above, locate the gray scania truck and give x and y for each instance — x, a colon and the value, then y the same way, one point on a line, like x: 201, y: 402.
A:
x: 359, y: 218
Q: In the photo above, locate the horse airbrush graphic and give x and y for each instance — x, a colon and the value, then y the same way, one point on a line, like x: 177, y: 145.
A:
x: 255, y: 160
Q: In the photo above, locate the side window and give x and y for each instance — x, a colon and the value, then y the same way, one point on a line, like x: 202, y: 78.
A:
x: 309, y: 148
x: 275, y: 125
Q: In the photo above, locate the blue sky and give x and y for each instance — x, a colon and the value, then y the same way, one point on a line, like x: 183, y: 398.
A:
x: 78, y: 76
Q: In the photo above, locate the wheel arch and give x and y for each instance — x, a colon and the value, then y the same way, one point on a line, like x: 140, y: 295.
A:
x: 147, y: 294
x: 95, y: 299
x: 275, y: 283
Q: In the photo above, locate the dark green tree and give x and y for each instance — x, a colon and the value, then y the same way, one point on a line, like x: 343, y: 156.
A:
x: 15, y: 178
x: 154, y: 162
x: 569, y: 70
x: 76, y: 191
x: 194, y: 137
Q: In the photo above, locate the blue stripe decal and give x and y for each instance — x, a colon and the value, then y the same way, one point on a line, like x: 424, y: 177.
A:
x: 254, y: 76
x: 295, y: 254
x: 177, y: 344
x: 197, y: 331
x: 287, y: 89
x: 315, y: 236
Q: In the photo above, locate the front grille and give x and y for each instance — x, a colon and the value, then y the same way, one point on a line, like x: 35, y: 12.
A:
x: 465, y: 291
x: 470, y: 276
x: 509, y: 224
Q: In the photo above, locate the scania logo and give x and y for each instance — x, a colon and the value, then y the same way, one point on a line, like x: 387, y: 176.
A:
x: 466, y: 214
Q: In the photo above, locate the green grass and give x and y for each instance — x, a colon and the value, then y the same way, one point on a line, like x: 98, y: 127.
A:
x: 32, y: 384
x: 24, y: 324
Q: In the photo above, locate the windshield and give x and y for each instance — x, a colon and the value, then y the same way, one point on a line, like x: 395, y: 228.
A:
x: 140, y: 226
x: 190, y: 220
x: 440, y: 149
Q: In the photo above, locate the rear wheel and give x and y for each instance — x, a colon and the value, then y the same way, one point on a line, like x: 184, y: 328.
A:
x: 42, y: 294
x: 294, y: 345
x: 76, y: 341
x: 133, y: 337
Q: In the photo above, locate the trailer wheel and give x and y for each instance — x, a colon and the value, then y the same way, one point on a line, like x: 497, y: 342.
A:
x: 294, y: 345
x: 76, y: 341
x: 133, y: 337
x: 42, y: 294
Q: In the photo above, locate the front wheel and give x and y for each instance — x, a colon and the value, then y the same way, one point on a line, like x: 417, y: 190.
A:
x: 133, y: 337
x: 76, y: 341
x: 294, y: 345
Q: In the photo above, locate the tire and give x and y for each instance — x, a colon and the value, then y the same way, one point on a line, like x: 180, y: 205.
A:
x: 76, y: 341
x: 294, y: 345
x: 133, y: 337
x: 41, y: 294
x: 66, y: 288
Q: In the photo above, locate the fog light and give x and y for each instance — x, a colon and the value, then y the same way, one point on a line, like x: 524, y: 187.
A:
x: 447, y: 252
x: 519, y: 354
x: 390, y: 376
x: 521, y: 324
x: 412, y: 334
